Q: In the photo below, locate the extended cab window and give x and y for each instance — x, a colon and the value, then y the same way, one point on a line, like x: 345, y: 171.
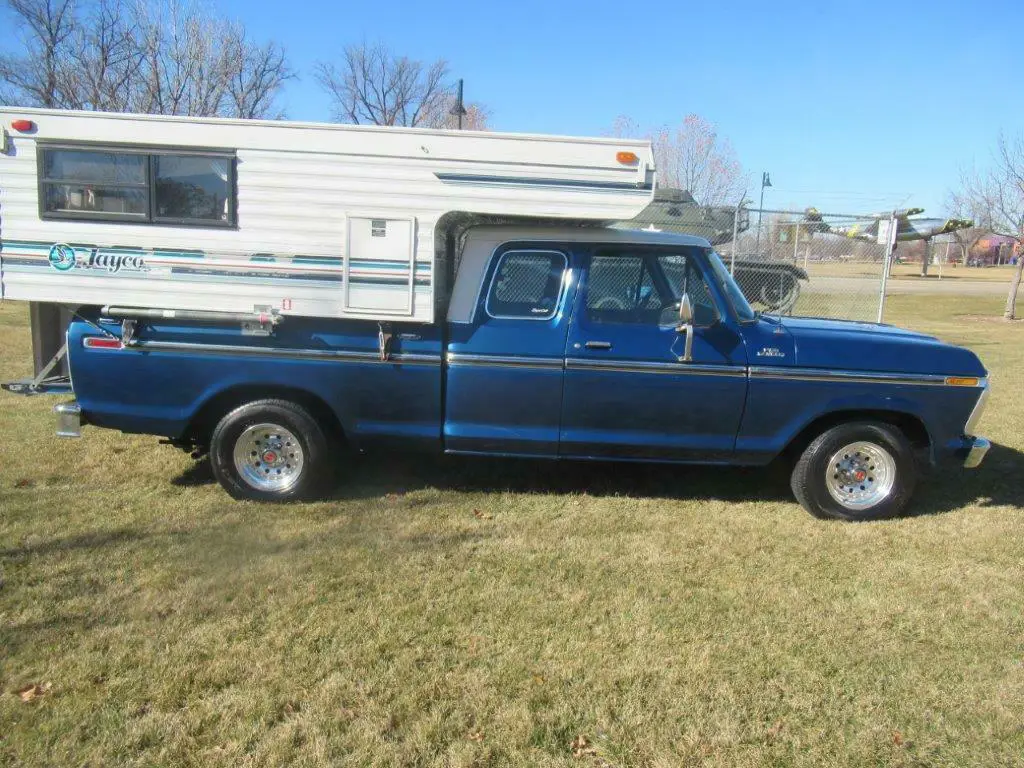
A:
x: 644, y: 288
x: 527, y: 284
x: 111, y: 184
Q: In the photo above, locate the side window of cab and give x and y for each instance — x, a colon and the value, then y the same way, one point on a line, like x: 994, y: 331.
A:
x: 640, y: 288
x: 527, y: 285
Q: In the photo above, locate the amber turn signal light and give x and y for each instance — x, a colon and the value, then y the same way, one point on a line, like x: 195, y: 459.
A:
x: 627, y: 158
x: 962, y: 381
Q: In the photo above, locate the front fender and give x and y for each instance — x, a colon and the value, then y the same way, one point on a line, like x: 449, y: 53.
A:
x: 779, y: 409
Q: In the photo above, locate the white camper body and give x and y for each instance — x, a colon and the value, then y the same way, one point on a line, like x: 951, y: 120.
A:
x: 304, y: 219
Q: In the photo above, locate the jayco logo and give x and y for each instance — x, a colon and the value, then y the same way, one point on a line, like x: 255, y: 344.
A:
x: 116, y: 262
x: 62, y: 258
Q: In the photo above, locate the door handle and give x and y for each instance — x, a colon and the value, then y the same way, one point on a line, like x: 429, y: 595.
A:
x: 598, y: 345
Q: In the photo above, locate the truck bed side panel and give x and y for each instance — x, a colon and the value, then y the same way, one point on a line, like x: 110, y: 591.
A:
x: 159, y: 385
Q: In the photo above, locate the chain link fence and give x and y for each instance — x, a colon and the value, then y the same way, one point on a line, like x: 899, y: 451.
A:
x: 806, y: 263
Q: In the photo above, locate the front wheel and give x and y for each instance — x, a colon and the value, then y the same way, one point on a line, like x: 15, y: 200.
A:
x: 271, y: 450
x: 856, y: 471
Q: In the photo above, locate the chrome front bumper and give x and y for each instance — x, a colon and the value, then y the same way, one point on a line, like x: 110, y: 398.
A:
x: 69, y: 419
x: 976, y: 452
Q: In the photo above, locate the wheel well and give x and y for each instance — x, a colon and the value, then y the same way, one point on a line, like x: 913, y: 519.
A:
x: 202, y: 424
x: 907, y: 423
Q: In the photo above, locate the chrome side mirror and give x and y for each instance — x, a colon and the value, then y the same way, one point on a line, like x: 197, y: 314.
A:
x: 686, y: 326
x: 685, y: 310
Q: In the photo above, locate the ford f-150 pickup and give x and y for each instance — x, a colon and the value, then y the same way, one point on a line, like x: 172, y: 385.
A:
x: 558, y: 343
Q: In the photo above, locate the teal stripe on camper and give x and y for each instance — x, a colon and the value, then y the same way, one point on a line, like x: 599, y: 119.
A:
x: 329, y: 261
x: 377, y: 264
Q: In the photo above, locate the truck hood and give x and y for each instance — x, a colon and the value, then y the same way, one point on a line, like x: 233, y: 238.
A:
x: 855, y: 346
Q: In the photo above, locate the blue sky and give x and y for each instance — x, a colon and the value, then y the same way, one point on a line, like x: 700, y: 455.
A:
x: 851, y: 106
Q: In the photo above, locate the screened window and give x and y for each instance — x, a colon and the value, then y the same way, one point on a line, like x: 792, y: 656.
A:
x: 645, y: 288
x: 527, y: 284
x: 134, y: 186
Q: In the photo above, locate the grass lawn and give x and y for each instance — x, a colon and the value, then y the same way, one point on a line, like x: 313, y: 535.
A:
x: 478, y: 613
x: 908, y: 271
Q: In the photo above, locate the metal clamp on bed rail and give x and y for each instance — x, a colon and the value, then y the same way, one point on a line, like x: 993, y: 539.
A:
x: 260, y: 322
x: 385, y: 334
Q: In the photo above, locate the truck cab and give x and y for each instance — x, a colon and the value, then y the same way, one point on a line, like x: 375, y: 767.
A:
x: 556, y: 343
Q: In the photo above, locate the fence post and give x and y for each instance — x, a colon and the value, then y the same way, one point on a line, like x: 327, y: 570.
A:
x: 735, y: 237
x: 890, y: 245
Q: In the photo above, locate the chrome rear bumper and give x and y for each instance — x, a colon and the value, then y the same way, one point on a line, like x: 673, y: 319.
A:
x: 976, y: 453
x: 69, y: 419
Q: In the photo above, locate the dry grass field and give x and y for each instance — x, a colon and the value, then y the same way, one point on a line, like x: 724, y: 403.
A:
x: 487, y: 613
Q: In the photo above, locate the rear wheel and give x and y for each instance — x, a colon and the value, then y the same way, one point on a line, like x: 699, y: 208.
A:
x: 271, y: 450
x: 856, y: 471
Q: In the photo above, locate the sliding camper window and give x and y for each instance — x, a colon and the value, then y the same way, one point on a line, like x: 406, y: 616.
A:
x: 129, y: 185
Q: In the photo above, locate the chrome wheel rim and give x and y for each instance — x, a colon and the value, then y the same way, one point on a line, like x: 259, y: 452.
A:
x: 860, y: 475
x: 268, y: 457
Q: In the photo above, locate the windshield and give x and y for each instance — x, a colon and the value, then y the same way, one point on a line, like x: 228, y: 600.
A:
x: 739, y: 302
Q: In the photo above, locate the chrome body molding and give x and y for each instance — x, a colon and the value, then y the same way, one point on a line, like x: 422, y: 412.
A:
x: 854, y: 377
x: 241, y: 350
x: 640, y: 366
x: 503, y: 361
x: 572, y: 363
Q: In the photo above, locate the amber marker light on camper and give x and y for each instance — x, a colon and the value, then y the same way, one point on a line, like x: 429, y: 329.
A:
x: 627, y: 158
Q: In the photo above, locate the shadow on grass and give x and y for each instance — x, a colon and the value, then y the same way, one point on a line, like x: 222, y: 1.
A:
x: 90, y: 541
x: 382, y: 474
x: 995, y: 483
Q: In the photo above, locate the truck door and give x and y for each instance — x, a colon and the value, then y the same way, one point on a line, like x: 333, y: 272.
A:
x: 505, y: 369
x: 627, y: 394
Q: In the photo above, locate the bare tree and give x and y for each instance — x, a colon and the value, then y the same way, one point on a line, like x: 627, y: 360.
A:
x: 998, y: 193
x: 960, y: 207
x: 46, y: 27
x: 692, y: 156
x: 103, y: 60
x: 173, y: 59
x: 373, y: 86
x: 477, y: 116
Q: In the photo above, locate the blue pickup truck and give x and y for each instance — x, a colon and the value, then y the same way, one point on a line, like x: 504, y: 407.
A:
x: 557, y: 342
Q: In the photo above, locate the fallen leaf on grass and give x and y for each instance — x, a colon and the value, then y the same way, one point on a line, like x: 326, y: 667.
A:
x: 33, y: 692
x: 775, y: 730
x: 475, y: 735
x: 482, y: 515
x: 25, y: 482
x: 899, y: 741
x: 581, y: 747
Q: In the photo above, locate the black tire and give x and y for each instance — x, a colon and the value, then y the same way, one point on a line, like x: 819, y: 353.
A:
x: 311, y: 476
x: 810, y: 483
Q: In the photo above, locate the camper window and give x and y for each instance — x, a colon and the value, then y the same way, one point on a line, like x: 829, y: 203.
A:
x: 135, y: 186
x: 91, y: 184
x: 192, y: 188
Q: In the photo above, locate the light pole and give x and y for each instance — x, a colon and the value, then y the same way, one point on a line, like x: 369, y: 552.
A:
x: 457, y: 108
x: 765, y: 182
